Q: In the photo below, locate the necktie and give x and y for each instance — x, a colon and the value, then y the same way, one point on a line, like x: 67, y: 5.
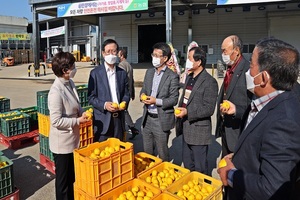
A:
x: 227, y: 78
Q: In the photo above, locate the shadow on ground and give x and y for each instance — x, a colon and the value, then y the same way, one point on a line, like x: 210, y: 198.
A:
x: 29, y: 174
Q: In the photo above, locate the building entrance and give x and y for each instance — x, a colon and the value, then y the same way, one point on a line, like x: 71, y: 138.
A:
x: 148, y: 35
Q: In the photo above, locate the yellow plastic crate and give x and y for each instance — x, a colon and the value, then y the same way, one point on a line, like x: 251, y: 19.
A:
x: 165, y: 196
x: 97, y: 176
x: 86, y: 133
x: 115, y: 193
x: 160, y: 167
x: 203, y: 180
x: 81, y: 195
x: 86, y: 129
x: 44, y: 124
x: 142, y: 161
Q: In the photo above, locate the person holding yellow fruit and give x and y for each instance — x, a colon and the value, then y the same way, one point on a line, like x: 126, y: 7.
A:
x: 265, y: 162
x: 66, y: 115
x: 195, y: 108
x: 159, y: 95
x: 107, y: 88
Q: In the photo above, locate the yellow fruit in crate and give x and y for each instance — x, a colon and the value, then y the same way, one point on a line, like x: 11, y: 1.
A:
x: 140, y: 198
x: 148, y: 179
x: 149, y: 194
x: 151, y: 164
x: 93, y: 156
x: 147, y: 198
x: 154, y: 173
x: 185, y: 187
x: 115, y: 105
x: 123, y: 105
x: 97, y: 151
x: 140, y: 194
x: 209, y: 189
x: 222, y: 163
x: 111, y: 150
x: 122, y: 197
x: 102, y: 154
x: 129, y: 194
x: 135, y: 189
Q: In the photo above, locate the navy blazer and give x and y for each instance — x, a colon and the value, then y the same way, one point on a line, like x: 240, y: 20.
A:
x: 99, y: 93
x: 267, y: 154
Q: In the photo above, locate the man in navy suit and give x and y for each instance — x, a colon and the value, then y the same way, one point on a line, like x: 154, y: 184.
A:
x: 266, y: 159
x: 108, y: 87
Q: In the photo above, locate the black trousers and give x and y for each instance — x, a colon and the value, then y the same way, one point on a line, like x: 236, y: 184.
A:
x: 115, y: 129
x: 65, y: 176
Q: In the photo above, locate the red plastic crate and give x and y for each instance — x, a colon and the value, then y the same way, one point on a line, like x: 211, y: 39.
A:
x: 47, y: 163
x: 13, y: 196
x: 20, y: 141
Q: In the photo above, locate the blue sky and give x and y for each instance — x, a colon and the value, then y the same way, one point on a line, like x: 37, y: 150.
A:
x: 17, y: 8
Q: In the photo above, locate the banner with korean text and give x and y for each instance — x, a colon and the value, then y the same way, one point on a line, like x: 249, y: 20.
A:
x: 101, y: 6
x: 14, y: 36
x: 53, y: 32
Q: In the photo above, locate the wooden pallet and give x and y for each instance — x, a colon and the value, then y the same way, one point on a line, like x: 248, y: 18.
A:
x: 47, y: 163
x: 20, y: 141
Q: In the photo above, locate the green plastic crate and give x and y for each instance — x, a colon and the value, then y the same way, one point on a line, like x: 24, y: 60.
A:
x: 4, y: 104
x: 15, y: 125
x: 42, y: 102
x: 6, y: 177
x: 32, y: 112
x: 6, y: 114
x: 82, y: 91
x: 44, y: 147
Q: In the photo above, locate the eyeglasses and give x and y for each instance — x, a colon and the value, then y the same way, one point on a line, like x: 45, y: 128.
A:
x: 113, y: 52
x: 156, y: 56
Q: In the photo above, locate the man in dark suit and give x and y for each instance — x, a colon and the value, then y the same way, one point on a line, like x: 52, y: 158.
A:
x: 196, y: 106
x: 265, y: 164
x: 234, y: 90
x: 161, y: 86
x: 107, y: 88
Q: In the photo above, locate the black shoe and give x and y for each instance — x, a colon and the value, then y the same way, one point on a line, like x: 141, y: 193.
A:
x: 134, y: 132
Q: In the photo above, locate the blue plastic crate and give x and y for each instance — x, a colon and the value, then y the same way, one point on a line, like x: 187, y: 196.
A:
x: 42, y: 102
x: 6, y: 177
x: 15, y: 125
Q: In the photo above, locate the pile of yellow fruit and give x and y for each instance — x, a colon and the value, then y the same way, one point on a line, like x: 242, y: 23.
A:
x: 141, y: 164
x: 162, y: 179
x: 193, y: 190
x: 3, y: 164
x: 97, y: 153
x: 136, y: 194
x: 8, y: 114
x: 15, y: 117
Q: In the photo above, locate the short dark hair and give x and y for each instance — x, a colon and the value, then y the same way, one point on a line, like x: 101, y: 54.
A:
x: 109, y: 41
x: 280, y: 60
x: 123, y: 52
x: 199, y: 54
x: 62, y: 62
x: 165, y: 49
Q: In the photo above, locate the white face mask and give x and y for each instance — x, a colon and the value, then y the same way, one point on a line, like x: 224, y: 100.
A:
x: 188, y: 64
x: 227, y: 60
x: 110, y: 59
x: 73, y: 72
x: 156, y: 62
x: 250, y: 81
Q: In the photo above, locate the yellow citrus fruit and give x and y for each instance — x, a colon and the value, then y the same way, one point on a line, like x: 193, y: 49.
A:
x: 123, y: 105
x: 115, y: 105
x: 222, y: 163
x: 144, y: 97
x: 149, y: 194
x: 89, y: 115
x: 97, y: 151
x: 225, y: 105
x: 177, y: 111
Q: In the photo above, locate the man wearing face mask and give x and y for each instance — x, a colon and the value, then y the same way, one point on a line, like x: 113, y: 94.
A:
x: 265, y: 163
x: 233, y: 90
x: 107, y: 88
x: 196, y: 106
x: 161, y: 86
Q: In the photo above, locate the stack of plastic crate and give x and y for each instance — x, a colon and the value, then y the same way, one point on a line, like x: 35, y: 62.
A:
x: 97, y: 171
x: 86, y: 129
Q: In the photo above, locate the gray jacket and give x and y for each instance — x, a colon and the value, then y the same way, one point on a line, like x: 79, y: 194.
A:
x: 64, y: 110
x: 168, y: 91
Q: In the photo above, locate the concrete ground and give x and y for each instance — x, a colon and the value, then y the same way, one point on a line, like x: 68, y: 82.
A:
x: 33, y: 180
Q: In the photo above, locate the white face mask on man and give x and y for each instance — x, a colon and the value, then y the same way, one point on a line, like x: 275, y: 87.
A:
x: 110, y: 59
x: 188, y: 64
x: 156, y: 62
x: 227, y: 60
x: 250, y: 80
